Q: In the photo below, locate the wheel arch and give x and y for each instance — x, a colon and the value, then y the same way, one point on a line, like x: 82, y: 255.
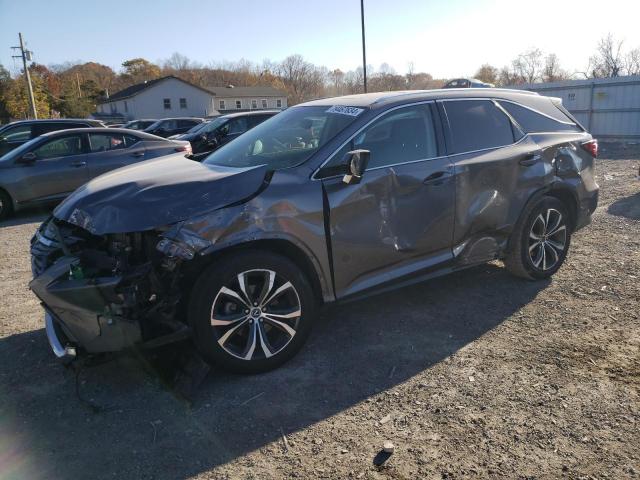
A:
x: 303, y: 258
x: 12, y: 205
x: 558, y: 190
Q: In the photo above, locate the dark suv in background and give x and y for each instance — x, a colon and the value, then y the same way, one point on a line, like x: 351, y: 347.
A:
x: 222, y: 130
x: 16, y: 133
x: 328, y: 200
x: 172, y: 126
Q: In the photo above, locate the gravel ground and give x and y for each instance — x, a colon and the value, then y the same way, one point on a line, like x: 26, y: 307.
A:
x: 477, y: 374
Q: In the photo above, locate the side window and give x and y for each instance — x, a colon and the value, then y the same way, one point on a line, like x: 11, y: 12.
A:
x: 186, y: 123
x: 104, y: 142
x: 532, y: 122
x: 237, y: 126
x: 130, y: 140
x: 222, y: 105
x: 169, y: 125
x: 183, y: 103
x: 20, y: 133
x: 264, y: 103
x: 60, y: 147
x: 238, y: 104
x: 477, y: 125
x: 401, y: 136
x: 167, y: 103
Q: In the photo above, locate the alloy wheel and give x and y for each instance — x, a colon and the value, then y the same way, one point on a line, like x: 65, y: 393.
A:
x: 547, y: 239
x: 256, y: 315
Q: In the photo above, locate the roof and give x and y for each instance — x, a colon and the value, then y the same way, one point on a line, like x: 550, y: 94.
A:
x: 385, y: 98
x: 140, y: 87
x: 112, y: 130
x: 56, y: 120
x: 257, y: 91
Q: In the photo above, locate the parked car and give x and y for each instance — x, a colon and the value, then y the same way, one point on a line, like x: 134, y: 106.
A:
x: 222, y: 130
x: 139, y: 124
x: 172, y: 126
x: 467, y: 83
x: 329, y: 200
x: 48, y: 168
x: 193, y: 129
x: 15, y: 134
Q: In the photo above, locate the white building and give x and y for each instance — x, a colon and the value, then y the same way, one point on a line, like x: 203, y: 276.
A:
x: 172, y: 97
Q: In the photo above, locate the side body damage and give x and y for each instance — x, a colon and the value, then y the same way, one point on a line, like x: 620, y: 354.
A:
x: 116, y: 264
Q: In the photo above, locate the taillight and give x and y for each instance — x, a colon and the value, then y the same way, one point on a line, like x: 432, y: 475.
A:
x: 185, y: 148
x: 592, y: 147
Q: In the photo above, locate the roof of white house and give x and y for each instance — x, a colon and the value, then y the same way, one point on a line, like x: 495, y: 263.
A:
x: 228, y: 91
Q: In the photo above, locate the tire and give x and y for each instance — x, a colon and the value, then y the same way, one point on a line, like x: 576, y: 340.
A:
x: 260, y: 334
x: 540, y: 240
x: 6, y: 205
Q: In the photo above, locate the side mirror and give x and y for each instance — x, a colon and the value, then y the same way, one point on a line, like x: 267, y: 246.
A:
x: 357, y: 164
x: 28, y: 158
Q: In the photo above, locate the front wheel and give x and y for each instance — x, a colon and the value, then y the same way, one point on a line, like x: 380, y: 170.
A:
x: 251, y: 312
x: 540, y: 241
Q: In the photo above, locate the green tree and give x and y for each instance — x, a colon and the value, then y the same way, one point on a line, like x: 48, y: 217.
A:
x: 5, y: 81
x: 16, y: 98
x: 138, y: 70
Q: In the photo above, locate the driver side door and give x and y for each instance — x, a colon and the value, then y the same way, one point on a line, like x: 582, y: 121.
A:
x: 398, y: 221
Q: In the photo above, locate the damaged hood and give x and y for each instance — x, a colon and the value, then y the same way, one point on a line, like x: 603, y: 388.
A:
x: 156, y: 193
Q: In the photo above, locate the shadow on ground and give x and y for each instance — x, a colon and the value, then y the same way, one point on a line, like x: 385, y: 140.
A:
x: 26, y: 216
x: 145, y: 431
x: 628, y: 207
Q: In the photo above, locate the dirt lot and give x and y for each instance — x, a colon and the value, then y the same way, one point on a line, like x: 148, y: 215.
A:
x: 473, y: 375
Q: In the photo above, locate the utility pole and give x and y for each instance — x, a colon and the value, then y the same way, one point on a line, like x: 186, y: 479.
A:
x: 364, y: 51
x: 26, y: 55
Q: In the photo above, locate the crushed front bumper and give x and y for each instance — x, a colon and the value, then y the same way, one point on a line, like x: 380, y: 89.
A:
x: 87, y: 311
x: 60, y: 346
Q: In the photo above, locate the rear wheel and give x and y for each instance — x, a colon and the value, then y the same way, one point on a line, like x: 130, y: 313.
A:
x: 540, y: 240
x: 6, y: 205
x: 251, y: 312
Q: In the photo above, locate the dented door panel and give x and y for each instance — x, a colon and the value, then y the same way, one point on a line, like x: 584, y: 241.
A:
x: 396, y: 222
x: 492, y: 187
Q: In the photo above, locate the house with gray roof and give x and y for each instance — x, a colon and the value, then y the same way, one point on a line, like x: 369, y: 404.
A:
x: 171, y: 96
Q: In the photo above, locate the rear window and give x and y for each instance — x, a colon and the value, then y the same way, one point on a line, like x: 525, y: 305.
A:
x: 478, y: 125
x: 534, y: 122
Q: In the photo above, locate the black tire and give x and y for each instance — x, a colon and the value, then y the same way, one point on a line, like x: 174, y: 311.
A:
x: 209, y: 300
x: 6, y: 205
x: 535, y: 259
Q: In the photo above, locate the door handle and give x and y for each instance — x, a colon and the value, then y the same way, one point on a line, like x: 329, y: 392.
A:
x: 530, y: 159
x: 78, y: 164
x: 137, y: 154
x: 437, y: 178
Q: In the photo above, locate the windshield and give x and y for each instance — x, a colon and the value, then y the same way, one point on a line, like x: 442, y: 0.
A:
x: 197, y: 127
x: 214, y: 124
x: 21, y: 150
x: 287, y: 139
x: 154, y: 125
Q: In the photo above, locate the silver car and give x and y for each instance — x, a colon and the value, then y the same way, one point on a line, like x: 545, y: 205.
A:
x: 48, y: 168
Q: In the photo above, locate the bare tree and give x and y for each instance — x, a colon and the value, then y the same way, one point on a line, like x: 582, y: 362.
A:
x: 608, y: 60
x: 632, y: 62
x: 302, y: 79
x: 487, y: 73
x: 528, y: 65
x: 552, y: 72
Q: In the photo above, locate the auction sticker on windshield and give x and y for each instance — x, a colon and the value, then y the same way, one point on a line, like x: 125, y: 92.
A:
x: 351, y: 111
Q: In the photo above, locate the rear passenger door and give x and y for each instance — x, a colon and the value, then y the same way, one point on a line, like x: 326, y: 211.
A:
x: 108, y: 151
x: 497, y: 169
x: 398, y: 220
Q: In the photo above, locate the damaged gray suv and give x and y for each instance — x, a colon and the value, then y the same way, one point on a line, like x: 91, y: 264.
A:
x: 328, y: 200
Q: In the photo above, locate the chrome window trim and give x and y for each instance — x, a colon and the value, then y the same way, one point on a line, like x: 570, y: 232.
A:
x: 359, y: 131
